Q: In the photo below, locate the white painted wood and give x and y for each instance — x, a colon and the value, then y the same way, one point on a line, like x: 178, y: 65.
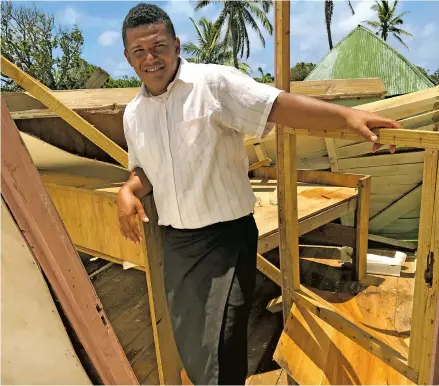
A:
x: 35, y: 347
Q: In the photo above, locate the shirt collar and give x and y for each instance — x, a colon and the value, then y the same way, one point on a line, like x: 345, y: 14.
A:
x: 185, y: 73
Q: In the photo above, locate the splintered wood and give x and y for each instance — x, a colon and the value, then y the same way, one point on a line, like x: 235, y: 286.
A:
x: 314, y: 352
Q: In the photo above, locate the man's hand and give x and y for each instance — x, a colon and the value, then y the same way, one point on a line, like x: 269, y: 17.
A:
x: 361, y: 122
x: 128, y: 207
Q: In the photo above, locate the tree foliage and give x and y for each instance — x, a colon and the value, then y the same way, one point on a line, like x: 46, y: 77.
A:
x: 210, y: 48
x: 123, y: 82
x: 389, y: 21
x: 265, y: 77
x: 301, y: 70
x: 434, y: 77
x: 30, y: 40
x: 235, y: 17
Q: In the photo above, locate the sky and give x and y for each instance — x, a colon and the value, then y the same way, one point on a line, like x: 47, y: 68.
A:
x: 101, y: 23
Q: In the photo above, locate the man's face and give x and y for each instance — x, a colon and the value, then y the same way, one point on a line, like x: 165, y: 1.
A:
x: 153, y: 53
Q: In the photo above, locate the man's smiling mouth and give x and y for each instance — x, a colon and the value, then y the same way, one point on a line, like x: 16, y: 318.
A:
x: 154, y: 69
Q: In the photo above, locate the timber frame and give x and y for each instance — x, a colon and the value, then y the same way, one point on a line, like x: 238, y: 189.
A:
x: 420, y: 364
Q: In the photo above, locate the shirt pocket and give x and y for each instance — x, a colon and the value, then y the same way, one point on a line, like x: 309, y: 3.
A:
x: 194, y: 138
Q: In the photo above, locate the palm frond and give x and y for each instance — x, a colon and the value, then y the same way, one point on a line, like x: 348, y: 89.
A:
x: 401, y: 41
x: 351, y: 7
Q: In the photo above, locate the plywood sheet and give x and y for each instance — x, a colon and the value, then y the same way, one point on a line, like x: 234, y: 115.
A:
x: 35, y: 347
x: 50, y: 158
x: 311, y: 199
x: 315, y: 353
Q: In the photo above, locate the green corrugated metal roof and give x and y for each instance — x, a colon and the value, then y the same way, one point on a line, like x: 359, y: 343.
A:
x: 362, y: 54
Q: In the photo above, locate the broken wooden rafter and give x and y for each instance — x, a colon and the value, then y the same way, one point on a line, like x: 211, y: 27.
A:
x: 46, y: 97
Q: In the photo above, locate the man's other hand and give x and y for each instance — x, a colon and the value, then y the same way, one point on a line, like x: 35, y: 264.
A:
x: 128, y: 207
x: 361, y: 122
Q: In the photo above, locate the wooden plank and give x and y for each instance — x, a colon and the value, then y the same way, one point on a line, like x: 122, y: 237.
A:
x: 426, y: 121
x: 257, y: 165
x: 382, y: 160
x: 395, y: 243
x: 427, y: 272
x: 329, y: 178
x: 44, y: 231
x: 286, y: 166
x: 80, y: 124
x: 168, y: 359
x: 268, y: 269
x: 396, y: 210
x: 400, y: 137
x: 97, y: 79
x: 260, y: 152
x: 362, y: 228
x: 327, y: 216
x: 391, y: 170
x: 304, y: 301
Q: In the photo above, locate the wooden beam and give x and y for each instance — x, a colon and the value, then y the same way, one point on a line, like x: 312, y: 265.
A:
x: 44, y: 231
x: 97, y: 79
x: 168, y: 359
x: 426, y: 293
x: 261, y: 153
x: 400, y: 137
x: 396, y: 210
x: 257, y: 165
x: 329, y: 178
x: 286, y: 166
x: 42, y: 93
x: 362, y: 228
x: 268, y: 269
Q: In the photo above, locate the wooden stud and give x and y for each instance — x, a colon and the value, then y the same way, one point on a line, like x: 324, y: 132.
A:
x: 362, y: 228
x: 286, y: 160
x: 257, y: 165
x: 51, y: 245
x: 168, y: 359
x: 426, y: 293
x: 261, y: 153
x: 41, y: 92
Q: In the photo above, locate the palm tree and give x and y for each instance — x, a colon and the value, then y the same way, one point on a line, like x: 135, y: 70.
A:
x: 388, y: 21
x: 329, y: 10
x: 210, y: 48
x: 236, y: 16
x: 265, y: 77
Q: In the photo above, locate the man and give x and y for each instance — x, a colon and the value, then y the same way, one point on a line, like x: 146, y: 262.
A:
x: 185, y: 131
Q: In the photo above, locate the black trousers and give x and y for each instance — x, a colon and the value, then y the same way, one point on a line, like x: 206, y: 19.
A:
x: 209, y: 281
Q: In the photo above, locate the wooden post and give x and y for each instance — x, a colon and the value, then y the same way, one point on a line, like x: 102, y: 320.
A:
x: 286, y: 167
x: 426, y: 295
x: 362, y: 228
x: 168, y: 359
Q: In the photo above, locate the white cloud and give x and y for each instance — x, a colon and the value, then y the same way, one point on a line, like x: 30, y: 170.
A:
x: 108, y: 38
x: 428, y: 30
x: 123, y: 68
x: 178, y: 10
x: 70, y: 16
x: 346, y: 22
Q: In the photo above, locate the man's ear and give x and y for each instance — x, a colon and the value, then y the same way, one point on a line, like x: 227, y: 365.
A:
x: 177, y: 46
x: 125, y: 52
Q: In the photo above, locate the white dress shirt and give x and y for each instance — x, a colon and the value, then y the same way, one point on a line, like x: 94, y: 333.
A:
x: 190, y: 143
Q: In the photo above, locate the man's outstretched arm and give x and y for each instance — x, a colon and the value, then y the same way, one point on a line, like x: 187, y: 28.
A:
x: 129, y: 205
x: 303, y: 112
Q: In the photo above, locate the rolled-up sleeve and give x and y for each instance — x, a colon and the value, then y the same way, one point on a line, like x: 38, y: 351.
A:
x: 132, y: 159
x: 243, y: 104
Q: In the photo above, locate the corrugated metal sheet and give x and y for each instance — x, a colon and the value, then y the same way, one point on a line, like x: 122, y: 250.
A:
x: 362, y: 54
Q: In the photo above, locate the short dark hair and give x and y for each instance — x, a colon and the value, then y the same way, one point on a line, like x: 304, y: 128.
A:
x: 146, y: 14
